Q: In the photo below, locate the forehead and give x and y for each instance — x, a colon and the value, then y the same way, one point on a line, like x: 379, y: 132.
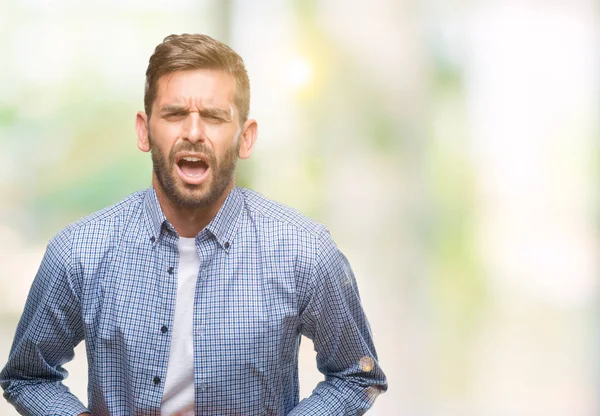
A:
x: 197, y: 87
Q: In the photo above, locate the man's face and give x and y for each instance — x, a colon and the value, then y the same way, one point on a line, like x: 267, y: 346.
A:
x: 194, y: 136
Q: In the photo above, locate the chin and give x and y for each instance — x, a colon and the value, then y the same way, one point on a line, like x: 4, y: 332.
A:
x: 193, y: 199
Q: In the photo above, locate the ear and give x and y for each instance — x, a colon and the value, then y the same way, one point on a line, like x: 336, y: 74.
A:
x: 141, y: 127
x: 248, y: 138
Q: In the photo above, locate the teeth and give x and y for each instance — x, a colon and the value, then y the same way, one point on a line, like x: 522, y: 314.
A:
x: 192, y: 159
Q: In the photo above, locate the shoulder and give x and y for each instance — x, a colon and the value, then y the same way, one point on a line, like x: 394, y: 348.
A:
x: 96, y: 228
x: 280, y: 216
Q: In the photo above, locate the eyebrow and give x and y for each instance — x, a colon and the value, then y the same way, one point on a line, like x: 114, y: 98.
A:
x: 210, y: 111
x: 173, y: 108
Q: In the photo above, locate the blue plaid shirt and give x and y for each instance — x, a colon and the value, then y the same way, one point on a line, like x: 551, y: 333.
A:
x: 268, y: 275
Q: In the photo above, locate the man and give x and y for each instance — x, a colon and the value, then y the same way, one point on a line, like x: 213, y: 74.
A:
x: 192, y: 295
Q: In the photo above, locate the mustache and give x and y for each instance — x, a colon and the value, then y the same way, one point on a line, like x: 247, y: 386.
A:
x: 192, y: 148
x: 185, y: 146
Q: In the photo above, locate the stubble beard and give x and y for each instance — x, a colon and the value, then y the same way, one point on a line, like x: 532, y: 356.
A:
x: 221, y: 174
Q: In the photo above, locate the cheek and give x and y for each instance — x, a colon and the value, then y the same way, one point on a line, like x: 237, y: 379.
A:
x: 162, y: 139
x: 166, y: 130
x: 216, y: 133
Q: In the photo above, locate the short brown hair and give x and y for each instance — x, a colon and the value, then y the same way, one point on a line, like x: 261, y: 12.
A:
x: 192, y: 51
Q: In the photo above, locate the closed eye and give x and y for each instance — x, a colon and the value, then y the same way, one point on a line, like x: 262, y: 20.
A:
x: 209, y: 115
x: 215, y: 116
x: 174, y: 115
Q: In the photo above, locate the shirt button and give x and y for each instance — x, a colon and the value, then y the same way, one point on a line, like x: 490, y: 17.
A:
x: 170, y: 270
x: 153, y: 239
x: 163, y: 329
x: 156, y: 380
x: 227, y: 244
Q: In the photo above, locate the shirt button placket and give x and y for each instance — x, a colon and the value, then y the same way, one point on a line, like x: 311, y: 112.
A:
x: 163, y: 330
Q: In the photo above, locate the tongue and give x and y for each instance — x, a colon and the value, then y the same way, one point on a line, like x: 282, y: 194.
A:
x: 192, y: 168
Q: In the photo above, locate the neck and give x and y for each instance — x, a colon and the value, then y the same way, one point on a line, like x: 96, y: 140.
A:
x: 189, y: 221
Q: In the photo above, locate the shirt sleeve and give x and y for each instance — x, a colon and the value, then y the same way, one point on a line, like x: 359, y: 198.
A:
x: 335, y: 320
x: 49, y: 329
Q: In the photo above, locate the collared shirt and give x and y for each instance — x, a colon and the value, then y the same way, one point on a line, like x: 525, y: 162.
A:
x: 267, y: 276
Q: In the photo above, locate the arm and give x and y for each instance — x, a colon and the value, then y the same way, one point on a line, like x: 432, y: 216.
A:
x: 49, y: 329
x: 333, y: 318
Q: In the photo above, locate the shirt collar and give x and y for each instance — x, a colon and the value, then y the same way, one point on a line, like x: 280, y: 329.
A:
x: 222, y: 226
x: 154, y: 214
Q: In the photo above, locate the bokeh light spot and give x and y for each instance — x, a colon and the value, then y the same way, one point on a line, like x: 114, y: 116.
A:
x: 298, y: 72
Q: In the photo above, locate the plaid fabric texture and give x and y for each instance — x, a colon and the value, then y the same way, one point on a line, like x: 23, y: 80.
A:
x: 268, y: 275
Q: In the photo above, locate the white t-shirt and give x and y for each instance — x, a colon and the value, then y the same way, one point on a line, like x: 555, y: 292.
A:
x: 178, y: 396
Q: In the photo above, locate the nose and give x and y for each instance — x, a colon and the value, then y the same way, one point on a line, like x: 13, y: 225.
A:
x: 193, y: 130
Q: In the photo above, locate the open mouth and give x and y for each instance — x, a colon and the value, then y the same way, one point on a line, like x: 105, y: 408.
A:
x: 192, y: 169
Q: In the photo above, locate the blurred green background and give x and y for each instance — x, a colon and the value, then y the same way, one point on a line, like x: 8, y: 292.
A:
x: 450, y: 147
